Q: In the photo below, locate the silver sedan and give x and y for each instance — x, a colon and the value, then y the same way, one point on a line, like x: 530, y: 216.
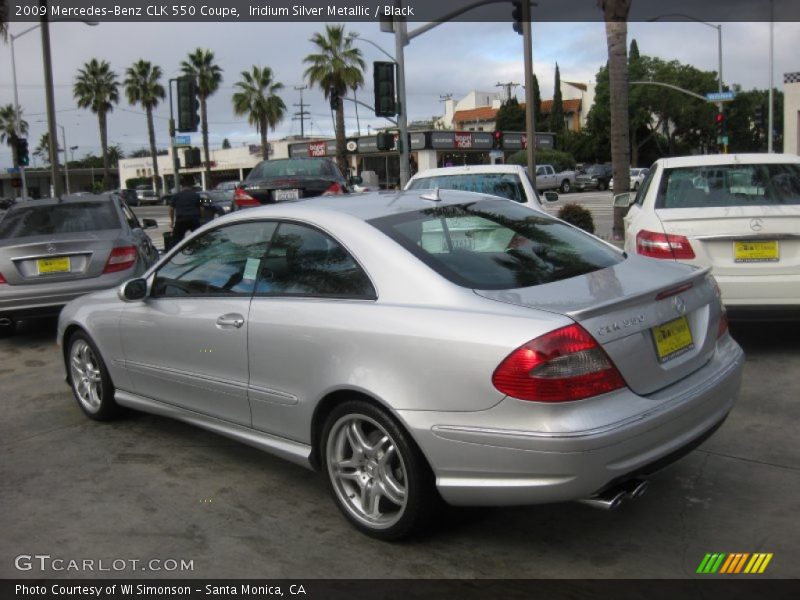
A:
x: 418, y: 347
x: 54, y: 250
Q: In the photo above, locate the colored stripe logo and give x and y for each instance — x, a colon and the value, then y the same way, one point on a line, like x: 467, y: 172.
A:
x: 734, y: 563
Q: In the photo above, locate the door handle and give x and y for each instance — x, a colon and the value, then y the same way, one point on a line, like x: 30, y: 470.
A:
x: 230, y: 320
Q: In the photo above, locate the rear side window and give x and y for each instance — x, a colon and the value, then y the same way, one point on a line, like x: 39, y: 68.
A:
x: 291, y: 167
x: 303, y: 261
x: 505, y: 185
x: 496, y: 245
x: 52, y: 219
x: 730, y: 185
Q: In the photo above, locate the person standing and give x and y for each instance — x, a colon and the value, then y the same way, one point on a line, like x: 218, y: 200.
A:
x: 184, y: 212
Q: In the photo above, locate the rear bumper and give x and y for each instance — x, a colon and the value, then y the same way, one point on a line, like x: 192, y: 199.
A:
x: 491, y: 458
x: 759, y: 291
x: 19, y: 302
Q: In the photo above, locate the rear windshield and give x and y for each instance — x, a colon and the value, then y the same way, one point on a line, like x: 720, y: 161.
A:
x: 505, y: 185
x: 496, y: 245
x: 292, y: 168
x: 49, y: 219
x: 729, y: 185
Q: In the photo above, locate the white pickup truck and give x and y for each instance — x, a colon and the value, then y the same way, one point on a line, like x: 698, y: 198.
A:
x: 548, y: 179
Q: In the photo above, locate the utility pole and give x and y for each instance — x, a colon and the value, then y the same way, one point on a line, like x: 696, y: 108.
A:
x: 400, y: 41
x: 175, y: 183
x: 770, y: 117
x: 51, y: 103
x: 530, y: 125
x: 509, y: 87
x: 301, y: 114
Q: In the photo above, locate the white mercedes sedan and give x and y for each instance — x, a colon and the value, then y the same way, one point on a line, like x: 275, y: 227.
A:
x: 736, y: 213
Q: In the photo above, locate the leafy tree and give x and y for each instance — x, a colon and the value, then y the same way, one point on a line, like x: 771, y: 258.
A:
x: 10, y: 130
x: 208, y: 76
x: 257, y: 98
x: 557, y: 110
x: 746, y: 131
x: 537, y: 105
x: 336, y: 66
x: 42, y: 150
x: 510, y: 117
x: 226, y: 144
x: 96, y: 88
x: 142, y: 86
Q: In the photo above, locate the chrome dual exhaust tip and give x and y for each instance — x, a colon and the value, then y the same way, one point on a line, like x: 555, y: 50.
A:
x: 611, y: 498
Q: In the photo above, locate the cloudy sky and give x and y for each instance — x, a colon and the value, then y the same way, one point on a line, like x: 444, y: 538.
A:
x: 453, y: 58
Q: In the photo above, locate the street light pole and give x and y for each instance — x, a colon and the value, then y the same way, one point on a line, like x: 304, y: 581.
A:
x: 770, y: 124
x: 400, y: 41
x: 530, y: 124
x: 51, y: 104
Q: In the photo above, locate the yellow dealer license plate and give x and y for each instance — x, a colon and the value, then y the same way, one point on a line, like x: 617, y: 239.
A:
x: 58, y: 264
x: 673, y: 339
x: 755, y: 251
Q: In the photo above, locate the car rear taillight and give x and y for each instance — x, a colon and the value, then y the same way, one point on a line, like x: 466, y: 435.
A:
x: 660, y: 245
x: 722, y: 327
x: 243, y: 199
x: 120, y: 259
x: 334, y: 190
x: 2, y: 279
x: 560, y: 366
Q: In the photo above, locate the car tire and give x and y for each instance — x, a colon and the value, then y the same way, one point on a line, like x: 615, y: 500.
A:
x: 89, y: 379
x: 8, y: 330
x: 376, y: 473
x: 601, y: 186
x: 565, y: 187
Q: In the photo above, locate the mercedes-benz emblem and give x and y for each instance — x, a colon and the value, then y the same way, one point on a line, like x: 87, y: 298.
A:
x: 51, y: 249
x: 756, y: 224
x: 679, y: 304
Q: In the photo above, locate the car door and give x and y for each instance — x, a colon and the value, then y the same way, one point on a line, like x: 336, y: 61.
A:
x: 640, y: 215
x: 310, y: 298
x: 147, y: 250
x: 186, y: 344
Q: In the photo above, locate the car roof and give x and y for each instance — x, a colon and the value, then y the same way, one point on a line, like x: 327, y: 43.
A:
x: 72, y: 199
x: 727, y: 159
x: 366, y: 206
x: 468, y: 169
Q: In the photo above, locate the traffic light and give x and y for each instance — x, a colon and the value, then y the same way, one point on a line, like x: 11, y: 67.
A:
x: 497, y: 140
x: 23, y: 158
x: 719, y: 119
x: 516, y: 16
x: 188, y: 105
x: 191, y: 158
x: 385, y: 141
x: 384, y: 82
x: 334, y: 98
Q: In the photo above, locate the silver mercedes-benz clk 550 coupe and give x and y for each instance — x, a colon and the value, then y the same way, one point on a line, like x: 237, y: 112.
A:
x: 416, y: 347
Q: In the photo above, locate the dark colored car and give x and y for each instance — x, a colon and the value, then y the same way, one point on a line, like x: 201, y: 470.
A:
x: 273, y: 181
x: 219, y: 201
x: 129, y: 196
x: 594, y: 177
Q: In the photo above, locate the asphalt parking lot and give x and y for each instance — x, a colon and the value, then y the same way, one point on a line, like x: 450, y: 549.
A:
x: 145, y: 487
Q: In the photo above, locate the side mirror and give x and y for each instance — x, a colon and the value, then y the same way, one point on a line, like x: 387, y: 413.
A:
x: 623, y: 200
x: 149, y: 223
x: 550, y: 196
x: 133, y: 290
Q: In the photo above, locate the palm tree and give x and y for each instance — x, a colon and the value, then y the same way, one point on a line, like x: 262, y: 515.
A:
x: 42, y: 151
x: 10, y: 131
x: 336, y: 67
x: 96, y: 88
x: 142, y: 86
x: 615, y: 13
x: 207, y: 76
x: 258, y: 100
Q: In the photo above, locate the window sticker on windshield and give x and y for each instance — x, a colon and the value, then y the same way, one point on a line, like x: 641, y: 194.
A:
x: 251, y: 269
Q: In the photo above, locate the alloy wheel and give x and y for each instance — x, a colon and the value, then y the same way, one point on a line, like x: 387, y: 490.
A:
x: 86, y: 377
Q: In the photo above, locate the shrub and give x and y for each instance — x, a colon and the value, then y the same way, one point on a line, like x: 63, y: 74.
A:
x: 575, y: 214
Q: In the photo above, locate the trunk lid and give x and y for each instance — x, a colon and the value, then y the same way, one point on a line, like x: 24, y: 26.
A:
x: 269, y: 191
x: 716, y: 234
x: 657, y: 321
x: 49, y: 259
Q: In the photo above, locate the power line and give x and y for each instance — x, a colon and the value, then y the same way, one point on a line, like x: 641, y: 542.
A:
x: 302, y: 113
